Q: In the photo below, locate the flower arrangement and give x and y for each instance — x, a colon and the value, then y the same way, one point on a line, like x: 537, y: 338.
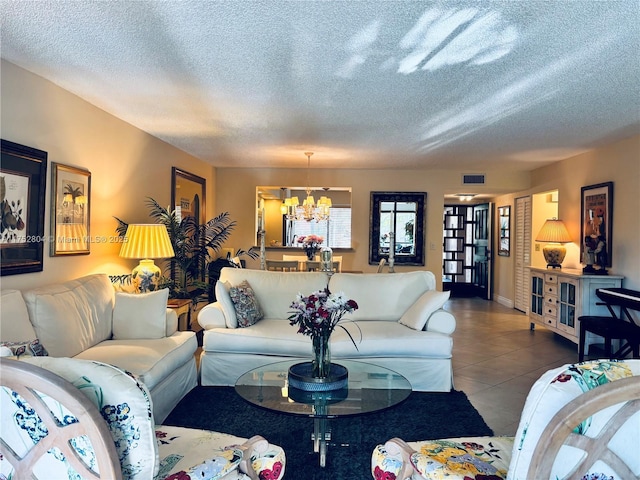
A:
x: 316, y: 316
x: 310, y: 244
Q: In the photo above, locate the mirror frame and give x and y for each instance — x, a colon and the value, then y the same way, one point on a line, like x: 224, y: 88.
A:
x: 177, y: 174
x: 374, y: 226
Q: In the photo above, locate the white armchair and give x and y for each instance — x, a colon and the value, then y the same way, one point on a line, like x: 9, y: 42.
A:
x: 70, y: 418
x: 579, y: 421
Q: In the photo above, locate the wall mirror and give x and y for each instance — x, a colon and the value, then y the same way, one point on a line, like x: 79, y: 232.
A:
x: 404, y: 214
x: 284, y: 223
x: 188, y: 194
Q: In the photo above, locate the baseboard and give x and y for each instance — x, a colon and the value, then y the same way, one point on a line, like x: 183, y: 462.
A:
x: 507, y: 302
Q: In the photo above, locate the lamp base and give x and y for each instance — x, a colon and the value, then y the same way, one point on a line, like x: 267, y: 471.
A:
x: 146, y: 276
x: 554, y: 255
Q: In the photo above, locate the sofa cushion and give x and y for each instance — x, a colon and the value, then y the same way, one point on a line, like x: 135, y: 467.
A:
x: 72, y: 316
x: 382, y: 296
x: 246, y: 304
x: 276, y: 291
x: 151, y: 360
x: 141, y: 315
x: 14, y: 318
x: 417, y: 314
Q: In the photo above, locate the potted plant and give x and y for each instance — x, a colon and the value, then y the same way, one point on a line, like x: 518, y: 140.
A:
x: 194, y: 245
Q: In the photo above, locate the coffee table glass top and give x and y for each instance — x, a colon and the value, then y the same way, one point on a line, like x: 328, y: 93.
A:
x: 370, y: 388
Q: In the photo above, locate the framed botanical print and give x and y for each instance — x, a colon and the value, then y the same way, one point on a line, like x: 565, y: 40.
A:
x: 22, y: 201
x: 70, y: 210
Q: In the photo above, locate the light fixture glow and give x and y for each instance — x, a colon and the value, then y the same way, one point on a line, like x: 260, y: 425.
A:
x: 309, y: 210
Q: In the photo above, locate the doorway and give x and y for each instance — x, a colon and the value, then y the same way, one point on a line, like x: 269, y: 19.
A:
x: 467, y: 250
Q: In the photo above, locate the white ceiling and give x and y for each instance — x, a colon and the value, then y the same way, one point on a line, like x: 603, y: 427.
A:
x: 364, y: 84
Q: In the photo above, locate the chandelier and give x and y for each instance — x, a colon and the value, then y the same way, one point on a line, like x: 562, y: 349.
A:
x: 309, y: 210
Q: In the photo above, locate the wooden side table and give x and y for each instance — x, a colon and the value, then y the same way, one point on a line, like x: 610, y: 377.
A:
x: 182, y: 307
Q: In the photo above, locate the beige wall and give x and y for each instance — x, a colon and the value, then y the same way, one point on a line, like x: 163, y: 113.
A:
x: 126, y: 164
x: 618, y: 163
x: 236, y: 193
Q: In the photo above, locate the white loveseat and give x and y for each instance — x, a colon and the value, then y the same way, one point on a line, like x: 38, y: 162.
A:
x: 86, y: 319
x: 387, y: 304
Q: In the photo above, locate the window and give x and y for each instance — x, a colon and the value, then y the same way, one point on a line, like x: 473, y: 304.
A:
x: 336, y: 231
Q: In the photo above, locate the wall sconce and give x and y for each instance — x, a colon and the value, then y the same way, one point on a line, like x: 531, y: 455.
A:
x: 146, y: 242
x: 554, y: 233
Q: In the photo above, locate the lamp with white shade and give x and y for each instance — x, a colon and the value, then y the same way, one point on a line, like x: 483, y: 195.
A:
x: 146, y: 242
x: 554, y: 233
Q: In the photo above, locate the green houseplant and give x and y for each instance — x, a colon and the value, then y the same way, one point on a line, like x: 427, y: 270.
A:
x: 194, y: 245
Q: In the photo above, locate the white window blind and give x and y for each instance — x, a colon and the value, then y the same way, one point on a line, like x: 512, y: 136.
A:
x: 339, y: 228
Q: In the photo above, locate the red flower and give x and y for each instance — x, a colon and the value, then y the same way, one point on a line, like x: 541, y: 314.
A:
x: 379, y: 474
x: 182, y: 475
x: 272, y: 474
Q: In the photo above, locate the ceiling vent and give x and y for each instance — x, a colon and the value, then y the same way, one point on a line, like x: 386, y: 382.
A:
x: 473, y: 179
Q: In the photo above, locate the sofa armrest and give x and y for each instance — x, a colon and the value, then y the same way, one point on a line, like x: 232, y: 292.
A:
x: 441, y: 321
x: 172, y: 322
x: 212, y: 316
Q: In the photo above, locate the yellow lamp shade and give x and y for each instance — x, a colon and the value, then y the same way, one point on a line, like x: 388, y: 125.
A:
x: 145, y: 242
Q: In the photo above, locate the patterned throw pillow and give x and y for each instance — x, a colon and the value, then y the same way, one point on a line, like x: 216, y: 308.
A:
x: 246, y: 304
x: 31, y: 347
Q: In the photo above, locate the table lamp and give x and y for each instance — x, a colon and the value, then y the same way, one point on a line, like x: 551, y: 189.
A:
x: 146, y: 242
x: 554, y: 234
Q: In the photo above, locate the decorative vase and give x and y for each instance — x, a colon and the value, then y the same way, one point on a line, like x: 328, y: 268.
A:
x: 321, y: 364
x: 311, y: 252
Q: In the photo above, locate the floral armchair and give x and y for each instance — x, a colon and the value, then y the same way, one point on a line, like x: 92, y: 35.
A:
x: 80, y: 419
x: 579, y: 421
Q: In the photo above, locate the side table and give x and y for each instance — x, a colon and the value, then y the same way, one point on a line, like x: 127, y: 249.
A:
x: 182, y: 307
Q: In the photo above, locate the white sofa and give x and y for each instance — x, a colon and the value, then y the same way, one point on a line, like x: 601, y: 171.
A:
x: 387, y: 303
x: 86, y: 319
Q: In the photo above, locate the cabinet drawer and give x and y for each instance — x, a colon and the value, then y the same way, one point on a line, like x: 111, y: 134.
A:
x: 550, y: 278
x: 549, y: 321
x: 551, y: 289
x: 550, y: 299
x: 550, y: 311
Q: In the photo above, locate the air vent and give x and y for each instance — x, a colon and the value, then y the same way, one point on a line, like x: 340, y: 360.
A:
x: 473, y: 179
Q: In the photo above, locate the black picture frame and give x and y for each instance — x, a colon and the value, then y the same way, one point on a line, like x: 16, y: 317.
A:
x: 188, y: 194
x: 596, y: 217
x: 23, y: 180
x: 504, y: 225
x: 376, y: 253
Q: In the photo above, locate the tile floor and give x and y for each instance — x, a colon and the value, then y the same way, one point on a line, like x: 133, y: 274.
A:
x: 496, y: 358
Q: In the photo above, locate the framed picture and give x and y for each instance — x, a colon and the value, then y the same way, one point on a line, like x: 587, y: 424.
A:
x: 188, y: 194
x: 22, y: 202
x: 70, y: 208
x: 597, y: 222
x: 504, y: 238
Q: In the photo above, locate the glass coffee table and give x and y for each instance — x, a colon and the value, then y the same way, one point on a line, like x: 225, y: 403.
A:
x: 370, y: 388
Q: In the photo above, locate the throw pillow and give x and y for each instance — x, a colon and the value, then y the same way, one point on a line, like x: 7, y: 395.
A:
x: 246, y: 305
x: 417, y: 314
x: 32, y: 348
x: 141, y: 315
x: 222, y: 296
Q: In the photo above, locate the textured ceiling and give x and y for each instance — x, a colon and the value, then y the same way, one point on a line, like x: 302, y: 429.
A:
x: 363, y: 84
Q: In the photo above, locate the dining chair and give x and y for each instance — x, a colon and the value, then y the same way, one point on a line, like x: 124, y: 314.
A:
x: 283, y: 265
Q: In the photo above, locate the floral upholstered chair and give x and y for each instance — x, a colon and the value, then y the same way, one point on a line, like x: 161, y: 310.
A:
x: 579, y: 421
x: 79, y: 419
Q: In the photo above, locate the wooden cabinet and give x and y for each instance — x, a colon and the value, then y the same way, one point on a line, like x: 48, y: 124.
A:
x: 559, y: 297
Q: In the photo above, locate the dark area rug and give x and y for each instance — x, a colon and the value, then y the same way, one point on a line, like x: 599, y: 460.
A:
x: 423, y: 416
